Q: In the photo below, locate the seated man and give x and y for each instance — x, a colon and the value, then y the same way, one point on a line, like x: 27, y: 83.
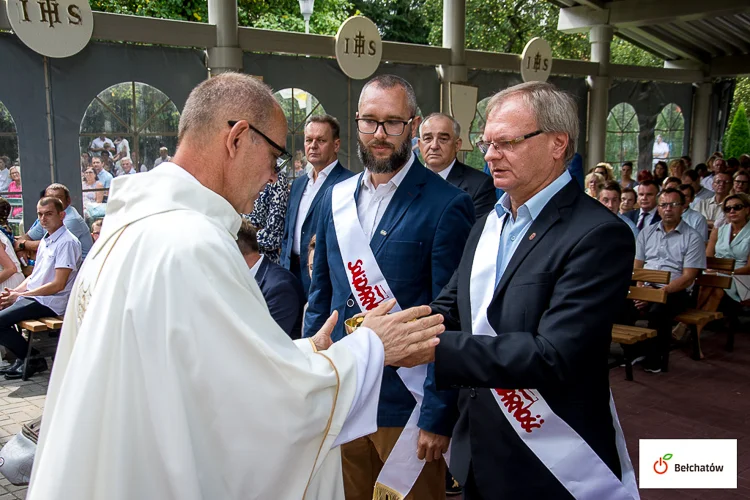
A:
x: 96, y: 229
x: 710, y: 208
x: 45, y: 292
x: 73, y: 221
x: 670, y: 245
x: 690, y: 216
x: 282, y: 291
x: 611, y: 197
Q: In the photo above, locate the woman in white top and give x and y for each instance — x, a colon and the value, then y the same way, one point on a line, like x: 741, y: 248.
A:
x: 10, y: 267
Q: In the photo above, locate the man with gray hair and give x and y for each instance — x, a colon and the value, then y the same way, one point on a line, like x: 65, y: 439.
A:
x: 168, y: 341
x: 439, y: 143
x: 529, y: 325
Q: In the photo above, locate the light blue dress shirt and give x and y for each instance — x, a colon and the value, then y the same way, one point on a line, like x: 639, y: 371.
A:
x: 105, y: 178
x: 75, y: 224
x: 630, y: 224
x: 514, y: 230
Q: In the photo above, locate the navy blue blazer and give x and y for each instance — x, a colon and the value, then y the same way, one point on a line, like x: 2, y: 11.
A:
x: 338, y: 174
x: 417, y: 245
x: 284, y: 296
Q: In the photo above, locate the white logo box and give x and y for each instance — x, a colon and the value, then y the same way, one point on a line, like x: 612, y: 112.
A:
x: 687, y: 463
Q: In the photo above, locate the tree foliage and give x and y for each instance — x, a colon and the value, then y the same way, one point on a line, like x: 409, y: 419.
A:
x: 741, y: 96
x: 737, y: 138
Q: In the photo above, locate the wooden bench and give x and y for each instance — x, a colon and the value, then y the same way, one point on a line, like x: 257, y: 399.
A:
x: 630, y: 335
x: 33, y: 326
x: 696, y: 319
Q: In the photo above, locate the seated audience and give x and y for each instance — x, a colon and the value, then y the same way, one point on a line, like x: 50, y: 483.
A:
x: 96, y: 229
x: 661, y: 172
x: 644, y: 175
x: 104, y: 177
x: 715, y: 164
x: 626, y: 173
x: 677, y: 168
x: 647, y: 214
x: 127, y: 166
x: 163, y: 156
x: 108, y: 163
x: 730, y: 241
x: 690, y: 216
x: 45, y: 292
x: 310, y: 255
x: 741, y: 182
x: 745, y: 162
x: 73, y: 221
x: 711, y: 208
x: 15, y: 187
x: 605, y: 170
x: 629, y: 197
x: 732, y: 166
x: 671, y: 245
x: 10, y: 267
x: 282, y: 291
x: 671, y: 182
x: 702, y: 170
x: 89, y: 184
x: 691, y: 177
x: 594, y: 184
x: 610, y: 197
x: 688, y: 161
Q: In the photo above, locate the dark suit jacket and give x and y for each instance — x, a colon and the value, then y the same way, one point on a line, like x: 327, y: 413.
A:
x: 417, y: 245
x: 552, y: 311
x: 478, y: 184
x: 284, y: 296
x: 634, y: 214
x: 338, y: 174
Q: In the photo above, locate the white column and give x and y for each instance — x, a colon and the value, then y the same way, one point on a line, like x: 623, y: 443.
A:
x: 601, y: 38
x: 454, y: 38
x: 226, y: 55
x: 701, y: 108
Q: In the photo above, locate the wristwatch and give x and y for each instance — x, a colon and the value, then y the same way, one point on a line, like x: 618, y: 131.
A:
x: 22, y: 245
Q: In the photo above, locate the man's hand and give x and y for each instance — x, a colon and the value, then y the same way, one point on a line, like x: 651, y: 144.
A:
x: 322, y: 339
x: 8, y: 298
x: 431, y: 446
x: 17, y: 243
x: 640, y: 304
x: 403, y: 334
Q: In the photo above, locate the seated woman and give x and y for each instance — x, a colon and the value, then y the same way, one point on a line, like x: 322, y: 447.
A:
x: 594, y: 184
x: 730, y: 241
x: 10, y: 266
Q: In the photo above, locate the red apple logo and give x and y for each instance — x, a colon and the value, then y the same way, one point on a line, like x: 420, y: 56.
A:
x: 661, y: 466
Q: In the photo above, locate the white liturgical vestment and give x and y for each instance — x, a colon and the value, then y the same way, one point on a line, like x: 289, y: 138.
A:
x: 171, y: 379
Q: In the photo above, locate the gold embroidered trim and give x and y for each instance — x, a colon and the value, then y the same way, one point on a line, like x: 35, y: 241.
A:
x: 315, y: 348
x: 85, y: 296
x: 383, y: 492
x: 330, y: 419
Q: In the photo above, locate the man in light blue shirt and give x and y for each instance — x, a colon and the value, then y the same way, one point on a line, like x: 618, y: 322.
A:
x: 73, y: 221
x: 101, y: 175
x: 611, y: 197
x: 691, y: 217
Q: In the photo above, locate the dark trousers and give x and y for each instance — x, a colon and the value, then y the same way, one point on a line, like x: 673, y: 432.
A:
x: 24, y: 308
x: 470, y: 489
x: 294, y: 266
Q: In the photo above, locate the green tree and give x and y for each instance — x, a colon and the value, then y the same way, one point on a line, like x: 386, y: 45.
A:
x: 398, y: 20
x: 737, y: 138
x: 741, y: 96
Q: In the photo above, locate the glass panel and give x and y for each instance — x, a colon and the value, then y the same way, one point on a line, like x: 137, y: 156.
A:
x: 155, y: 112
x: 622, y: 136
x: 475, y: 158
x: 148, y: 150
x: 119, y: 99
x: 10, y: 179
x: 298, y: 105
x: 670, y: 125
x: 98, y: 119
x: 7, y: 124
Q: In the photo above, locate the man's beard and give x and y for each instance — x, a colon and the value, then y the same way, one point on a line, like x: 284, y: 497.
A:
x: 387, y: 165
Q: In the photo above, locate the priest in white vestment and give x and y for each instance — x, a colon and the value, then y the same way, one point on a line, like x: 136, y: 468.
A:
x: 171, y: 379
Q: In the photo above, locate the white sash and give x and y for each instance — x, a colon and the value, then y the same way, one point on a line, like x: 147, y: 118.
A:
x: 567, y: 456
x: 369, y: 287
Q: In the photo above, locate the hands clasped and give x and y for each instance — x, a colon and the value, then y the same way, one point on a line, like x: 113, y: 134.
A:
x: 409, y: 337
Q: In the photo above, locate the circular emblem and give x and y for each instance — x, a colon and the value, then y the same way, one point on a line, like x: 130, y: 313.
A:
x: 359, y: 48
x: 660, y: 466
x: 536, y: 61
x: 53, y: 28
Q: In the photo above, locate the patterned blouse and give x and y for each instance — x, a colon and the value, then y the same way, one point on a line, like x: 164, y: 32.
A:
x: 268, y: 215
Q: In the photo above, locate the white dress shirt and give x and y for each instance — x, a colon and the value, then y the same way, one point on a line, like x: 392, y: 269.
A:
x: 312, y: 188
x: 446, y: 171
x: 647, y: 219
x: 254, y: 270
x: 373, y: 201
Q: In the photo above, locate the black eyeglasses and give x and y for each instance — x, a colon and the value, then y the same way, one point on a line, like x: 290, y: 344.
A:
x: 673, y: 204
x: 733, y: 208
x: 502, y: 146
x: 284, y: 155
x: 391, y: 127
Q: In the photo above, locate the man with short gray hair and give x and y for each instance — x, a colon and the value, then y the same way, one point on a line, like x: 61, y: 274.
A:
x: 439, y: 143
x: 529, y: 324
x: 171, y: 334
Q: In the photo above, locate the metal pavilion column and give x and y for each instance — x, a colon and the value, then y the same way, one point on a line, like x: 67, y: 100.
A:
x: 701, y: 111
x: 454, y: 38
x: 226, y: 55
x: 601, y: 39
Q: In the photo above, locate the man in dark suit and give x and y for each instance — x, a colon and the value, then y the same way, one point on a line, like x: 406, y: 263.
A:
x: 529, y: 323
x: 322, y: 145
x: 439, y: 143
x: 401, y: 230
x: 647, y: 214
x: 282, y: 291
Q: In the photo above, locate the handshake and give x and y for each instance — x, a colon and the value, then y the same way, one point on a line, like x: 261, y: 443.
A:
x: 409, y: 337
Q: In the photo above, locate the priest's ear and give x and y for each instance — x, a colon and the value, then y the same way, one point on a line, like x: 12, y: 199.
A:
x: 236, y: 134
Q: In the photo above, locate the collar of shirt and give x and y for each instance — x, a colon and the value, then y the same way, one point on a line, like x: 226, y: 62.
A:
x: 173, y: 168
x: 679, y: 229
x: 396, y: 180
x: 51, y: 238
x: 254, y: 269
x: 447, y: 170
x: 536, y: 204
x: 324, y: 173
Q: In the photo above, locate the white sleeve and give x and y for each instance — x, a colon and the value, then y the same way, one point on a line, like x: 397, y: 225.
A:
x: 368, y: 351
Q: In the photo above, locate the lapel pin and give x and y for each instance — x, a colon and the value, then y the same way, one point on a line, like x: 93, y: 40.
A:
x: 533, y: 235
x: 383, y: 232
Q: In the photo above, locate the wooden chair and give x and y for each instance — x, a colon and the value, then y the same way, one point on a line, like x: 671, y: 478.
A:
x: 34, y: 326
x: 697, y: 319
x: 630, y: 335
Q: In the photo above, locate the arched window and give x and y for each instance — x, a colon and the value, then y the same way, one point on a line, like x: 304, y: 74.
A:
x: 298, y: 106
x: 130, y: 119
x: 475, y: 158
x: 670, y: 125
x: 10, y: 170
x: 622, y: 136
